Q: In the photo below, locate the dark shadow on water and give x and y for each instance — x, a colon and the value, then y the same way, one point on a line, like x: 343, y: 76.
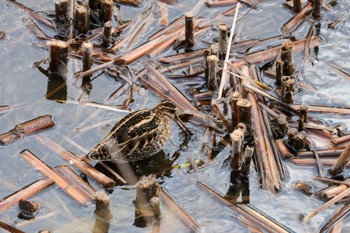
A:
x: 56, y: 85
x: 159, y: 165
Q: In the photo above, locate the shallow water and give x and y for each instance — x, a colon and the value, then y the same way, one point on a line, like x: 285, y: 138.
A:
x: 25, y: 87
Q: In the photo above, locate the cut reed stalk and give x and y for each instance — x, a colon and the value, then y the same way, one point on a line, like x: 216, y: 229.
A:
x: 189, y: 26
x: 342, y: 161
x: 107, y: 34
x: 58, y: 56
x: 25, y: 193
x: 87, y: 55
x: 27, y: 128
x: 106, y: 10
x: 312, y: 214
x: 185, y: 218
x: 73, y: 179
x: 212, y: 69
x: 294, y: 22
x: 47, y: 171
x: 82, y: 18
x: 76, y: 162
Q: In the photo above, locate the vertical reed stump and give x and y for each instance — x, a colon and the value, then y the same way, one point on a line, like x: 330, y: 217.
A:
x: 212, y: 83
x: 28, y: 209
x: 234, y: 109
x: 288, y: 89
x: 222, y: 41
x: 93, y: 4
x: 103, y: 212
x: 279, y: 72
x: 279, y: 126
x: 237, y: 140
x: 106, y: 10
x: 62, y: 11
x: 107, y: 34
x: 245, y: 115
x: 287, y: 58
x: 146, y: 189
x: 316, y: 13
x: 87, y: 55
x: 296, y: 6
x: 303, y: 112
x: 206, y: 54
x: 102, y: 206
x: 300, y: 141
x: 58, y: 56
x: 82, y: 18
x: 291, y: 133
x: 341, y: 162
x: 155, y: 204
x: 189, y: 25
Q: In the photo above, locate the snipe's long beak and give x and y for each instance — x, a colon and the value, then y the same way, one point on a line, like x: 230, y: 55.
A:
x: 182, y: 126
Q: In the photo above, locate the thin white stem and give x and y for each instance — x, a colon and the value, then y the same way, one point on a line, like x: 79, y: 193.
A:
x: 224, y: 76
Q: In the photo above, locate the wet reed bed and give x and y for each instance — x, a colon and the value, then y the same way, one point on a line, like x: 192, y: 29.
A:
x: 243, y: 94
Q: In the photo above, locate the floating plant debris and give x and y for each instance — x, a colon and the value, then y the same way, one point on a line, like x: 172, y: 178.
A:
x: 247, y: 78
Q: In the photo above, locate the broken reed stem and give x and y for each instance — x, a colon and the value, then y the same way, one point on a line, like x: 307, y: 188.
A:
x: 343, y: 159
x: 279, y: 74
x: 339, y: 215
x: 222, y: 41
x: 76, y: 162
x: 107, y: 34
x: 26, y: 128
x: 73, y: 179
x: 303, y: 112
x: 260, y: 148
x: 284, y: 151
x: 294, y: 22
x: 62, y: 11
x: 58, y: 56
x: 279, y: 126
x: 296, y: 6
x: 287, y: 58
x: 185, y: 218
x: 234, y: 109
x: 326, y: 205
x: 323, y: 109
x: 247, y: 212
x: 245, y: 115
x: 158, y: 82
x: 288, y: 89
x: 10, y: 228
x: 247, y: 157
x: 87, y: 55
x: 102, y: 202
x: 321, y: 153
x: 146, y: 188
x: 106, y: 10
x: 25, y: 193
x: 189, y: 27
x: 312, y: 162
x: 82, y: 18
x: 340, y: 140
x: 237, y: 140
x: 28, y: 209
x: 47, y: 171
x: 316, y: 13
x: 212, y: 82
x: 224, y: 76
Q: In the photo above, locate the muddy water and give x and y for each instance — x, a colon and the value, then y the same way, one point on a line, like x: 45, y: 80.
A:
x: 24, y: 87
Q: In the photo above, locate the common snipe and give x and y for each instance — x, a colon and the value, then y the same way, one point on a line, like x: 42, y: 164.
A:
x: 138, y: 135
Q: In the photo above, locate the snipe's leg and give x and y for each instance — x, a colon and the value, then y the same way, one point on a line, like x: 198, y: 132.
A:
x: 182, y: 126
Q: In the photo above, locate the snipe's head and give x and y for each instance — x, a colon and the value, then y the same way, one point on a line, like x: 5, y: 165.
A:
x: 166, y: 108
